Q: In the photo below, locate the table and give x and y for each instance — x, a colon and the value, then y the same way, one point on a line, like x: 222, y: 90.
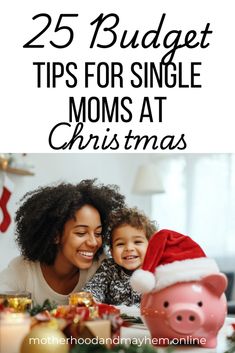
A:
x: 140, y: 332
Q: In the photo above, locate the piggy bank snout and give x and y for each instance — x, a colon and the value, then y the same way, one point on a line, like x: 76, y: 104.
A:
x: 184, y: 319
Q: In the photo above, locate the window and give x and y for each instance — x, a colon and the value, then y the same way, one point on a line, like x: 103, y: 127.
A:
x: 200, y: 201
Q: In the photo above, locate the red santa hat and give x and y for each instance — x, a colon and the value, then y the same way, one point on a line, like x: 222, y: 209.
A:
x: 171, y: 257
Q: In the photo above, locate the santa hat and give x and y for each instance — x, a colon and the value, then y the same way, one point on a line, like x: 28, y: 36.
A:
x: 171, y: 257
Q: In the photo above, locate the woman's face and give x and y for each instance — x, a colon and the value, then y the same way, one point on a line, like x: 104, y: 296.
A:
x: 81, y: 238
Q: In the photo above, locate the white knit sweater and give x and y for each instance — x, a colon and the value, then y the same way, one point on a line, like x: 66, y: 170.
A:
x: 22, y: 275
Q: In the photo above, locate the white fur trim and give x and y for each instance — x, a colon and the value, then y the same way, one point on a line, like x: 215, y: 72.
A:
x: 142, y: 281
x: 184, y: 271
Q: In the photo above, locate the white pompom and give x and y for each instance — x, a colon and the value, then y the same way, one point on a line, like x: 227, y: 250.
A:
x: 142, y: 281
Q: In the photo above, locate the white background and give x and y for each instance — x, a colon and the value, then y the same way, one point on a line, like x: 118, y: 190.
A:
x: 204, y: 115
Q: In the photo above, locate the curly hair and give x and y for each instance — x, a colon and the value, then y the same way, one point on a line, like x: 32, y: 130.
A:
x: 44, y: 212
x: 134, y: 218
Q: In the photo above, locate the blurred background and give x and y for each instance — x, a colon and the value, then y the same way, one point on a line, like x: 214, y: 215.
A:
x: 191, y: 193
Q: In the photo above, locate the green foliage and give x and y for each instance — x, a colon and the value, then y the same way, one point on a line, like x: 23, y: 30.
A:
x: 132, y: 319
x: 98, y: 348
x: 47, y: 305
x: 231, y: 348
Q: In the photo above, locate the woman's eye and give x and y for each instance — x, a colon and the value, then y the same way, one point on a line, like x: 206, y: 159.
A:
x: 80, y: 234
x: 98, y: 235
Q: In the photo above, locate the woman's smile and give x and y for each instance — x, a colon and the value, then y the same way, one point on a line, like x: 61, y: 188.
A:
x: 86, y: 254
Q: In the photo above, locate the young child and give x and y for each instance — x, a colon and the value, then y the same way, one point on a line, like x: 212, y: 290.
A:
x: 130, y: 232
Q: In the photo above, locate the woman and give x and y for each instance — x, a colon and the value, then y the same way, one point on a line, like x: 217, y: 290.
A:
x: 60, y: 231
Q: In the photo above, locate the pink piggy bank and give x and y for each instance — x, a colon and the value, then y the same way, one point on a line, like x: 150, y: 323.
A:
x: 186, y: 312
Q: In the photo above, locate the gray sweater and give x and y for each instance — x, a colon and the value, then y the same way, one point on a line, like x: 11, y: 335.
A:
x: 111, y: 285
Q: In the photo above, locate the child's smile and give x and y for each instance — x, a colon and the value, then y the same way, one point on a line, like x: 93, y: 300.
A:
x: 129, y: 245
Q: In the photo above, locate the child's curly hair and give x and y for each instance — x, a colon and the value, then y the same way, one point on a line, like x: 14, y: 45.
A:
x: 44, y: 212
x: 133, y: 217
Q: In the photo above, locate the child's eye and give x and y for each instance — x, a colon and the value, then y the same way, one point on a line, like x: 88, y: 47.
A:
x: 119, y: 244
x: 138, y: 242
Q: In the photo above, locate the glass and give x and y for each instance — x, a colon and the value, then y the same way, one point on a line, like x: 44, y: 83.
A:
x: 19, y: 301
x: 81, y: 299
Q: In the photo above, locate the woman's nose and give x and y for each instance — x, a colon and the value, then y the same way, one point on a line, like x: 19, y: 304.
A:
x: 92, y: 241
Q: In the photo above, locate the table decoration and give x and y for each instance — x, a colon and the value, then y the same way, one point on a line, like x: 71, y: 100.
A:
x: 183, y: 297
x: 231, y: 339
x: 46, y: 306
x: 18, y: 301
x: 98, y: 348
x: 81, y: 322
x: 131, y: 319
x: 13, y: 328
x: 81, y: 299
x: 42, y: 339
x: 67, y: 322
x: 87, y: 319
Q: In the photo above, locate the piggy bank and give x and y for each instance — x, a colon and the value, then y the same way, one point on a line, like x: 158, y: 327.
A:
x: 187, y: 312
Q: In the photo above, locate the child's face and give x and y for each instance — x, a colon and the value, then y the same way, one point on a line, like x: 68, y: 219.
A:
x: 129, y: 246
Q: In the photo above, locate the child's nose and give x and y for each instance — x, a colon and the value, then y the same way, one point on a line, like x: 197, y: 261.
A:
x: 129, y: 247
